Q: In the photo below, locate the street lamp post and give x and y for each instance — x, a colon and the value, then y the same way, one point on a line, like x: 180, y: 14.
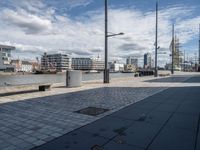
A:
x: 173, y: 49
x: 156, y: 43
x: 199, y: 46
x: 106, y: 70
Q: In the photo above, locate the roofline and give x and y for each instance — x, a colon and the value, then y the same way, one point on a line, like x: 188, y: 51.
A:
x: 8, y: 47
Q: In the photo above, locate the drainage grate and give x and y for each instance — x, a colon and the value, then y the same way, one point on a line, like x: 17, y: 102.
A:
x: 92, y: 111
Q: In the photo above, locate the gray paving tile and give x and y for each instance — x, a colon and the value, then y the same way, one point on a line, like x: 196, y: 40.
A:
x: 184, y: 121
x: 53, y: 116
x: 188, y: 109
x: 107, y: 127
x: 76, y: 140
x: 166, y: 107
x: 158, y: 117
x: 147, y: 105
x: 11, y: 147
x: 174, y: 139
x: 120, y: 146
x: 139, y: 134
x: 198, y: 140
x: 131, y: 113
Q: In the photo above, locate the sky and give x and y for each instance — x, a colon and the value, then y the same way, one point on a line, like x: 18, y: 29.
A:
x: 76, y: 27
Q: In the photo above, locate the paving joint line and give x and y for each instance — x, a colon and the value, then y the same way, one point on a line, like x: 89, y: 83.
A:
x: 196, y: 137
x: 151, y: 110
x: 163, y: 126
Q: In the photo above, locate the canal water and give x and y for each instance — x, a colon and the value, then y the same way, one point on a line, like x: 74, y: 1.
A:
x: 51, y: 78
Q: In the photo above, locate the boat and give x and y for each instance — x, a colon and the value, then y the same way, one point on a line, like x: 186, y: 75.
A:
x: 92, y: 71
x: 127, y: 71
x: 45, y: 72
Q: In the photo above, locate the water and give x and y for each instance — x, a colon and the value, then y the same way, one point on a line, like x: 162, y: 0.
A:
x: 51, y: 78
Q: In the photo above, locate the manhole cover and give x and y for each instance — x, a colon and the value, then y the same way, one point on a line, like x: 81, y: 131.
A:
x: 92, y: 111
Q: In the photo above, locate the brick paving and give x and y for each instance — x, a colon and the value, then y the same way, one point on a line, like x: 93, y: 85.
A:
x: 30, y: 120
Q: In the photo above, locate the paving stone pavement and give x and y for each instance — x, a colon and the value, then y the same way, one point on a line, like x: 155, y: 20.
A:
x: 27, y: 123
x: 151, y: 124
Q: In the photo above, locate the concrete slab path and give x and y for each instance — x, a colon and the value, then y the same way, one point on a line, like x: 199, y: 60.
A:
x: 169, y: 120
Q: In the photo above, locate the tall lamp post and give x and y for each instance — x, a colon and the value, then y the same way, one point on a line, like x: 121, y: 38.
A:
x: 106, y: 69
x: 173, y: 49
x: 156, y: 43
x: 199, y: 45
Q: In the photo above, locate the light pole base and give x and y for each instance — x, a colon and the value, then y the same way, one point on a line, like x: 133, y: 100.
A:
x: 106, y: 76
x: 156, y: 73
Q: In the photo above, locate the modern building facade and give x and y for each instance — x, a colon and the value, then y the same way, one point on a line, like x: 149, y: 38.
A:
x: 5, y: 58
x: 132, y: 61
x: 81, y: 63
x: 87, y: 64
x: 147, y: 61
x: 97, y: 64
x: 58, y: 62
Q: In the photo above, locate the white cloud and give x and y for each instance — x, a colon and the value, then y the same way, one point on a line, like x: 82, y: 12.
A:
x: 84, y: 36
x: 76, y: 3
x: 31, y: 24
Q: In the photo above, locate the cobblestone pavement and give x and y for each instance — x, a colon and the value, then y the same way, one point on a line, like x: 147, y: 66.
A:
x: 26, y: 122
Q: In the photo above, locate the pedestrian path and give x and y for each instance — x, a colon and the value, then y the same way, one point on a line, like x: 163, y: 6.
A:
x: 169, y: 120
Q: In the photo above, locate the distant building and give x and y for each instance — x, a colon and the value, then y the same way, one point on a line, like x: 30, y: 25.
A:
x: 116, y: 67
x: 132, y: 61
x: 22, y: 66
x: 5, y: 58
x: 82, y: 63
x: 147, y: 61
x: 87, y: 64
x: 59, y: 62
x: 27, y: 66
x: 97, y: 64
x: 17, y: 63
x: 176, y: 68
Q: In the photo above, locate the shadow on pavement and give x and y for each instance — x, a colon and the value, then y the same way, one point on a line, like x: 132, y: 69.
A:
x: 18, y: 92
x: 168, y: 120
x: 177, y: 79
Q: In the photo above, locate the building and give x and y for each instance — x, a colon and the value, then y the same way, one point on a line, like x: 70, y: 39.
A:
x: 27, y: 66
x: 17, y: 63
x: 81, y: 63
x: 5, y: 58
x: 97, y: 64
x: 58, y: 62
x: 132, y: 61
x: 116, y: 67
x: 147, y: 61
x: 87, y: 64
x: 22, y: 66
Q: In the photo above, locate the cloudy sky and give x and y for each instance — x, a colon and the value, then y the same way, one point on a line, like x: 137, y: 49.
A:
x: 76, y: 27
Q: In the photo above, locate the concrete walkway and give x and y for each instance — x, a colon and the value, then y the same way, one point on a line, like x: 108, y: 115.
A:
x: 169, y: 120
x: 28, y: 120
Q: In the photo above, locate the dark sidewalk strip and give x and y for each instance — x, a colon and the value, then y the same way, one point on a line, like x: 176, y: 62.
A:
x: 166, y: 121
